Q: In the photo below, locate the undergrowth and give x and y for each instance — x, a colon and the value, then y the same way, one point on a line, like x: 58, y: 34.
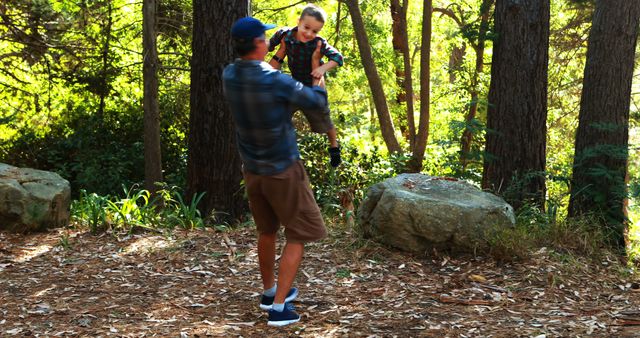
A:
x: 534, y: 230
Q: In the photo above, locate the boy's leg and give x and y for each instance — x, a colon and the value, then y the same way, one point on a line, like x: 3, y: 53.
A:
x: 266, y: 258
x: 332, y: 134
x: 334, y: 150
x: 289, y: 264
x: 333, y: 137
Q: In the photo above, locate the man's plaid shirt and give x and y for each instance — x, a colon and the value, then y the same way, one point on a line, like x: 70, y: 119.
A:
x: 262, y: 102
x: 299, y: 53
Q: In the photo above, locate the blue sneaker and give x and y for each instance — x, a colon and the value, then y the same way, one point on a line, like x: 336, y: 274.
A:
x: 266, y: 302
x: 286, y: 317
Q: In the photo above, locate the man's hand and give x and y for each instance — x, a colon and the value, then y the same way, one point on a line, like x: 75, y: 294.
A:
x: 334, y: 155
x: 315, y: 64
x: 318, y: 82
x: 316, y: 56
x: 319, y: 72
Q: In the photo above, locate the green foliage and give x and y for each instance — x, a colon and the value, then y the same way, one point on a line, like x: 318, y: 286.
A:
x: 91, y: 157
x: 137, y: 210
x: 71, y: 94
x: 90, y: 209
x: 446, y: 152
x: 535, y: 228
x: 64, y: 242
x: 359, y: 169
x: 602, y: 185
x: 134, y: 210
x: 179, y: 213
x: 633, y: 249
x: 343, y: 273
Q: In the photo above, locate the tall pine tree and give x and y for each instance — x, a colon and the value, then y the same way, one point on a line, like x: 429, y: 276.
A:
x: 514, y: 161
x: 602, y: 140
x: 214, y: 163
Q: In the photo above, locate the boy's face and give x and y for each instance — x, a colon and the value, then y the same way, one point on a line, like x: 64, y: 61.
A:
x: 308, y: 28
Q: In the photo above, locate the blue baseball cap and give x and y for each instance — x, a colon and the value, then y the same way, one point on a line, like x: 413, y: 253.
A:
x: 249, y: 28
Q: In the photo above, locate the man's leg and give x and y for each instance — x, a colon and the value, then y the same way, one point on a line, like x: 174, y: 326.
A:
x: 289, y: 263
x: 266, y: 258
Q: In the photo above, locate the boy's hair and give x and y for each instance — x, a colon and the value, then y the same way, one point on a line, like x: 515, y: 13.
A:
x: 314, y: 11
x: 243, y: 46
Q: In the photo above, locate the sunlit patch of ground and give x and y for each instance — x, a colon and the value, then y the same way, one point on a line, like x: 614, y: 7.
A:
x: 142, y: 245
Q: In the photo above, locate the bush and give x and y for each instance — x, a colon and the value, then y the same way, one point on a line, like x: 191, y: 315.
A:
x: 96, y: 156
x: 137, y: 210
x: 358, y: 170
x: 534, y: 229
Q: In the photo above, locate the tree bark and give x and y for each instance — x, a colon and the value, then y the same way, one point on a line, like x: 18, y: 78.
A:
x: 377, y: 91
x: 152, y: 153
x: 602, y: 140
x: 425, y: 99
x: 514, y: 162
x: 400, y: 39
x: 214, y: 164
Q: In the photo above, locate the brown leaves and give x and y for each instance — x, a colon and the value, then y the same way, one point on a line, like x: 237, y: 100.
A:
x: 207, y: 283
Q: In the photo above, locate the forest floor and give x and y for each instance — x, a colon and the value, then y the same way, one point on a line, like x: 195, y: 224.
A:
x: 202, y: 283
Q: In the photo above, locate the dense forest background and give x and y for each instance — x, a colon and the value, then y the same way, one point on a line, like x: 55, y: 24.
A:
x: 71, y: 94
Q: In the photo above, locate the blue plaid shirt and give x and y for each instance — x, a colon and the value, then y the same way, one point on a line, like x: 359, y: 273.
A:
x: 299, y: 53
x: 262, y: 102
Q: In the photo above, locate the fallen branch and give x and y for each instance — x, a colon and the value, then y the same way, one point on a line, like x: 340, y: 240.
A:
x: 453, y: 300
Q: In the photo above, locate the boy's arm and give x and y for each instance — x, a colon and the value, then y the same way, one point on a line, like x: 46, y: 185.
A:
x: 319, y: 72
x: 278, y: 58
x: 335, y: 59
x: 332, y: 53
x: 277, y: 37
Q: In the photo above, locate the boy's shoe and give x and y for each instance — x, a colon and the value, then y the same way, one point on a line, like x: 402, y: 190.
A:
x: 266, y: 302
x: 286, y: 317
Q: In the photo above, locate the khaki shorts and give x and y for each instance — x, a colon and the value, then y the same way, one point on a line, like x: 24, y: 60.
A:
x: 319, y: 120
x: 285, y: 198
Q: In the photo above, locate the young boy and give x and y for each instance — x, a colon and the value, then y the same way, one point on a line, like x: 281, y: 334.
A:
x: 298, y: 45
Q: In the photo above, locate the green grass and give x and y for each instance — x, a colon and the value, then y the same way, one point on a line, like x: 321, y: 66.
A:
x: 571, y: 236
x: 137, y: 209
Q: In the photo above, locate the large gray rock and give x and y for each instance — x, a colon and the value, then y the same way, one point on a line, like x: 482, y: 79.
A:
x: 32, y: 199
x: 417, y: 213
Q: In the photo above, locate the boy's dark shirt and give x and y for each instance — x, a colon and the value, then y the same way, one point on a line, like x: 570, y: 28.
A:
x: 299, y: 53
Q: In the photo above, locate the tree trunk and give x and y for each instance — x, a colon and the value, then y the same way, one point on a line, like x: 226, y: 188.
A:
x: 377, y: 91
x: 478, y: 46
x: 514, y: 162
x: 601, y: 149
x: 338, y: 22
x: 425, y: 99
x: 400, y: 39
x: 152, y: 154
x: 214, y: 163
x: 104, y: 72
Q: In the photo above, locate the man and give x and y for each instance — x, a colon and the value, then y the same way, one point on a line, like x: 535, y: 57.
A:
x: 262, y: 100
